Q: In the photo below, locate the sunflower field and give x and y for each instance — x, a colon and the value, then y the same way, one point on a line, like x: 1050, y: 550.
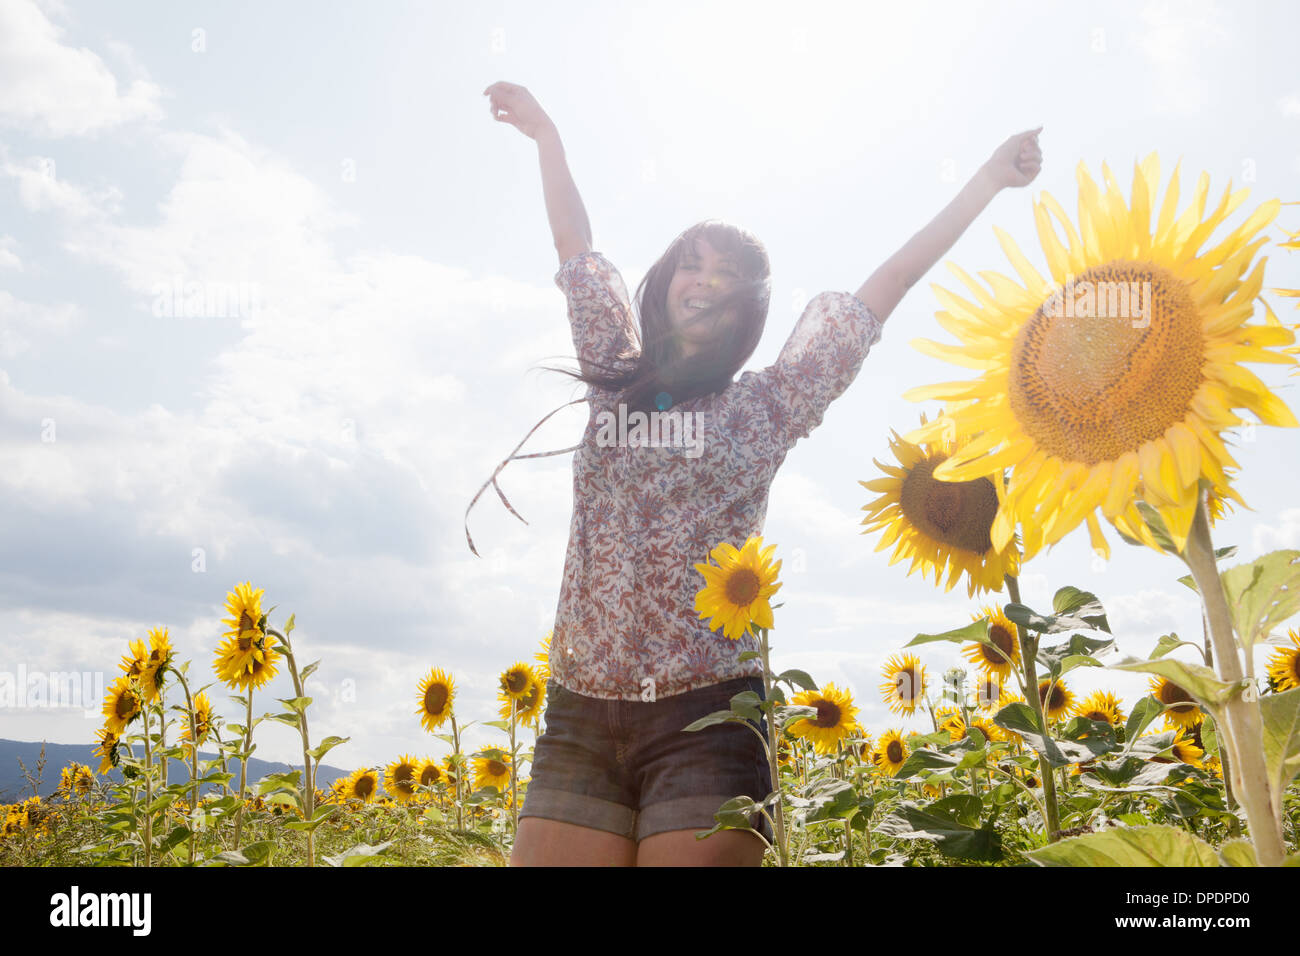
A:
x: 1082, y: 411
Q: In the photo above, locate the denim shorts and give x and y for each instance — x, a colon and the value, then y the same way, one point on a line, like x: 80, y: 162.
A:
x: 628, y: 767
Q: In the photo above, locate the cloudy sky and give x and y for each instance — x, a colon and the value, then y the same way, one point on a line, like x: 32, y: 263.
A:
x: 320, y: 430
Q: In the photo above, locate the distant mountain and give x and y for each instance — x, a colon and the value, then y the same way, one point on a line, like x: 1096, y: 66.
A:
x: 14, y: 786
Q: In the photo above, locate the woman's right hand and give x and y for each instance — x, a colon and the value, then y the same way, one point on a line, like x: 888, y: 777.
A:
x: 513, y: 104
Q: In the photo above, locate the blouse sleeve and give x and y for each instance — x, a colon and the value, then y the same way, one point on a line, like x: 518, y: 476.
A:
x: 600, y: 314
x: 818, y: 362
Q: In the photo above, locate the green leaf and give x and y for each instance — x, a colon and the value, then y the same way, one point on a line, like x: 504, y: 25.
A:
x: 162, y: 803
x: 952, y: 838
x: 360, y: 855
x: 498, y: 724
x: 326, y: 745
x: 1262, y: 594
x: 1020, y: 719
x: 919, y: 760
x: 308, y: 671
x: 1280, y: 714
x: 1197, y: 679
x: 1084, y: 604
x: 1237, y: 853
x: 1132, y: 846
x: 291, y: 719
x: 746, y: 704
x: 717, y: 717
x: 748, y: 655
x: 974, y: 631
x: 1078, y: 651
x: 797, y: 677
x: 288, y: 625
x: 788, y: 716
x: 1080, y: 610
x: 735, y: 814
x: 1144, y: 711
x: 296, y: 704
x: 1167, y: 643
x: 965, y: 808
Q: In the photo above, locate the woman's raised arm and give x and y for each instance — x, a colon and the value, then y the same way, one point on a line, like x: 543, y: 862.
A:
x: 570, y: 229
x: 1015, y: 163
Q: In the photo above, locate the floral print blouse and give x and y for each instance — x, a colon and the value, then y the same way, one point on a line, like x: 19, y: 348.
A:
x: 645, y: 511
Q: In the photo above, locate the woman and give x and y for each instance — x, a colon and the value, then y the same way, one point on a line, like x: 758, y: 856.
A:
x: 676, y: 458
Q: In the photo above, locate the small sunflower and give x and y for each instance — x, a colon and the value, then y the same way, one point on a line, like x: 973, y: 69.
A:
x: 1184, y: 749
x: 1002, y: 652
x: 891, y: 752
x: 543, y: 658
x: 1284, y: 665
x: 1102, y: 706
x: 904, y: 684
x: 137, y: 661
x: 990, y: 693
x: 1181, y: 708
x: 76, y: 778
x: 492, y: 769
x: 107, y: 748
x: 736, y: 592
x: 529, y: 708
x: 951, y: 720
x: 122, y: 704
x: 202, y: 721
x: 1113, y: 380
x: 515, y: 683
x: 941, y: 525
x: 363, y: 785
x: 436, y: 693
x: 834, y: 721
x: 430, y: 774
x: 1056, y: 698
x: 401, y: 779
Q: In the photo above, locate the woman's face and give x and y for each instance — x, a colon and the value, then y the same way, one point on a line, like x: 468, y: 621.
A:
x: 702, y: 275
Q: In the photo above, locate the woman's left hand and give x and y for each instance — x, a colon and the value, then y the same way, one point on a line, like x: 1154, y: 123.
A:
x: 1017, y: 161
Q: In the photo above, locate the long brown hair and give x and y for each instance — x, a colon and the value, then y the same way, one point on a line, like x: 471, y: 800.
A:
x: 661, y: 377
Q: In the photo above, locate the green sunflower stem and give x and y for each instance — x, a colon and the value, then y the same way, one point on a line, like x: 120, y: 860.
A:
x: 309, y: 778
x: 194, y: 758
x: 243, y: 764
x: 1241, y: 727
x: 778, y: 812
x: 514, y: 798
x: 455, y: 751
x: 1028, y: 655
x: 148, y: 790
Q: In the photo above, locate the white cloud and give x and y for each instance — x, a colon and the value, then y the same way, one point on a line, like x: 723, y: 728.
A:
x: 1179, y: 40
x: 8, y: 257
x: 1283, y: 532
x: 40, y: 189
x: 1289, y: 104
x: 20, y: 321
x: 51, y: 89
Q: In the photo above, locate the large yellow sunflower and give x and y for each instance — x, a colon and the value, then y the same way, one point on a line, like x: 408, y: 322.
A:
x: 834, y: 721
x: 436, y: 692
x: 1181, y: 708
x: 122, y: 704
x: 543, y: 658
x: 1003, y: 652
x: 990, y: 693
x: 1284, y: 665
x: 401, y: 778
x: 160, y: 656
x: 891, y: 752
x: 1102, y: 706
x: 1056, y: 698
x: 492, y: 769
x: 430, y: 774
x: 941, y: 525
x: 904, y: 684
x: 736, y: 591
x: 244, y: 662
x: 1113, y: 380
